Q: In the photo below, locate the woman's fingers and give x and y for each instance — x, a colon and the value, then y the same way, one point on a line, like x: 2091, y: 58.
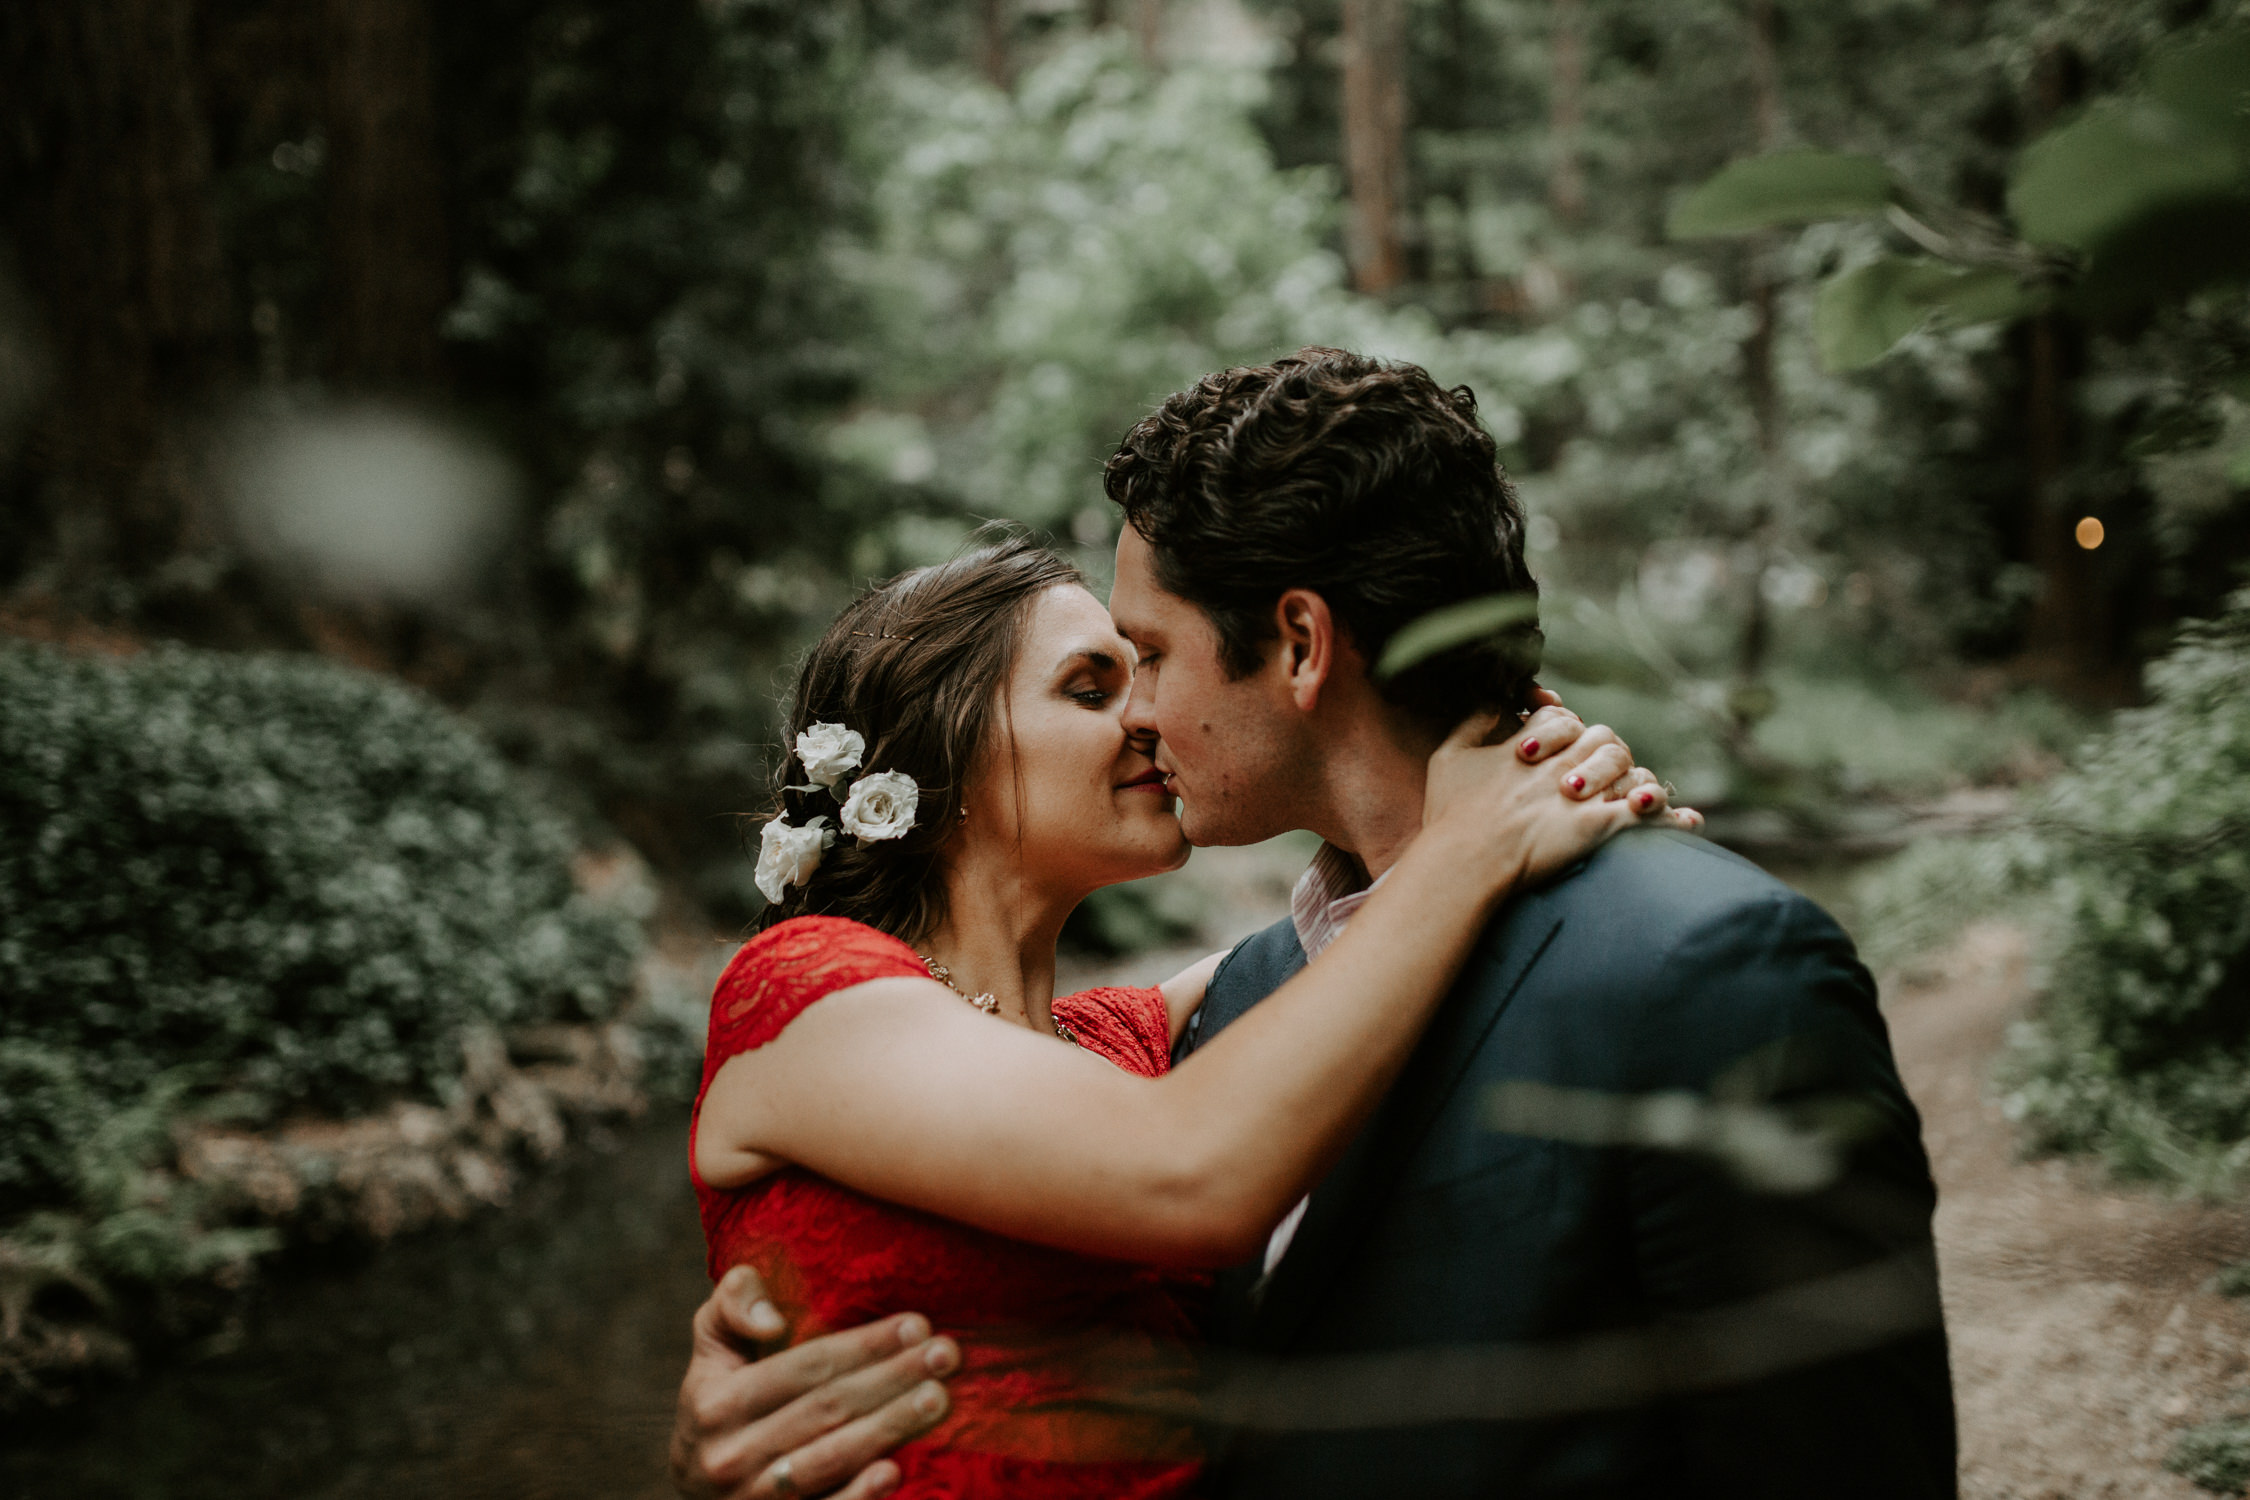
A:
x: 1686, y: 818
x: 1597, y: 772
x: 1571, y: 762
x: 1475, y: 730
x: 1547, y: 733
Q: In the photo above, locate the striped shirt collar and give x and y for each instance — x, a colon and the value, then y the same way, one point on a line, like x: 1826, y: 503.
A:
x: 1331, y: 889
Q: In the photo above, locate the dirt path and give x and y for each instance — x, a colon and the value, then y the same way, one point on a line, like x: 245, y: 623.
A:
x: 2084, y: 1335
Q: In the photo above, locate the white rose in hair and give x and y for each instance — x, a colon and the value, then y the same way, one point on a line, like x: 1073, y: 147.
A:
x: 829, y: 752
x: 788, y: 856
x: 881, y: 807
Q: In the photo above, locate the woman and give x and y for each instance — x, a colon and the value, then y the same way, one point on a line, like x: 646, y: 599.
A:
x: 895, y: 1110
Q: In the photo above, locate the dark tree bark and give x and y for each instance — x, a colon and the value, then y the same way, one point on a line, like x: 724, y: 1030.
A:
x: 1148, y: 24
x: 388, y: 272
x: 1566, y: 112
x: 108, y: 181
x: 1751, y: 698
x: 993, y: 58
x: 2067, y: 638
x: 1375, y: 141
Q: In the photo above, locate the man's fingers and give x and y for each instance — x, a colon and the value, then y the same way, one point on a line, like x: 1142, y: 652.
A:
x: 738, y: 1315
x: 849, y: 1398
x: 738, y: 1398
x: 877, y: 1479
x: 816, y: 1466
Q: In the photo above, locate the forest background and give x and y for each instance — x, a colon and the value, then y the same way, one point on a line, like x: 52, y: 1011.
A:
x: 571, y: 363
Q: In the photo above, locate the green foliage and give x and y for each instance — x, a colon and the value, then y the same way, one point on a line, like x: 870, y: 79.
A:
x: 300, y: 880
x: 1047, y: 264
x: 1864, y: 312
x: 1455, y: 625
x: 2215, y: 1455
x: 2142, y: 1046
x: 2135, y: 869
x: 1786, y: 188
x: 2152, y: 189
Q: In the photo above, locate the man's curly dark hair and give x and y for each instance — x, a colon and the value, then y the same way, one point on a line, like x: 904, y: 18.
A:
x: 1360, y: 479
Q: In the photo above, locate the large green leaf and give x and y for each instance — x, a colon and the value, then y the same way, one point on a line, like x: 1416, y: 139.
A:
x: 1788, y: 187
x: 2154, y: 191
x: 1455, y: 625
x: 2089, y: 182
x: 2208, y: 83
x: 1862, y: 314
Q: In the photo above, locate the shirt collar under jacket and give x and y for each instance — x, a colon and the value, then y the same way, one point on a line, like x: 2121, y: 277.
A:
x: 1325, y: 896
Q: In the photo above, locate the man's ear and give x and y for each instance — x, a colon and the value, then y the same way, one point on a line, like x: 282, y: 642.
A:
x: 1311, y: 646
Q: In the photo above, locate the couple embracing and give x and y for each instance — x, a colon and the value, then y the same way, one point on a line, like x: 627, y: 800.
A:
x: 1542, y: 1150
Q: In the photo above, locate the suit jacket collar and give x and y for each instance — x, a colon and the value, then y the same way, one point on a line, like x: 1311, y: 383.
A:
x: 1345, y: 1205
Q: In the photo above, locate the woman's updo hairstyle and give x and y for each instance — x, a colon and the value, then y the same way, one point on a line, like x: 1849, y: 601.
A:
x: 917, y: 667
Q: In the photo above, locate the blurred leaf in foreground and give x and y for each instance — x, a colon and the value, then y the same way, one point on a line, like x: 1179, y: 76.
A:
x: 1788, y: 187
x: 1863, y: 313
x: 1455, y: 625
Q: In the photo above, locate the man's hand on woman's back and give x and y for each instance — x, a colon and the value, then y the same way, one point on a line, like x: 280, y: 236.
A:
x: 757, y: 1421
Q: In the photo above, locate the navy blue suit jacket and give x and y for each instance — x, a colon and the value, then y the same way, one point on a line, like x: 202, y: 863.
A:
x: 1591, y: 1286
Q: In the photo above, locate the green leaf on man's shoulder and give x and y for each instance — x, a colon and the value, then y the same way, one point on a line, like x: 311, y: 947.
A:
x: 1455, y: 625
x: 1862, y: 314
x: 1787, y: 187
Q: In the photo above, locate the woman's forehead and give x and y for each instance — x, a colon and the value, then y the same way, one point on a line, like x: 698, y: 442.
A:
x: 1069, y: 621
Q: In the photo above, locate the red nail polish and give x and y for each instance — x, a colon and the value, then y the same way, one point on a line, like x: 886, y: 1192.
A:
x: 1577, y: 782
x: 1530, y: 747
x: 1647, y: 800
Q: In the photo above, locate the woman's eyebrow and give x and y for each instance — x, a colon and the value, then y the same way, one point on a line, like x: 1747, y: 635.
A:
x: 1101, y: 660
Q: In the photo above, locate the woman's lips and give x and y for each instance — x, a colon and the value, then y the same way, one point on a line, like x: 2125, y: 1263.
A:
x: 1151, y: 780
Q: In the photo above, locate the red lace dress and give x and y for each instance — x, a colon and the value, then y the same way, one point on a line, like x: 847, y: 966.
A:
x: 1045, y: 1335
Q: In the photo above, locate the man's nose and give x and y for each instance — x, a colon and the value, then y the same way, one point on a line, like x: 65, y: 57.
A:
x: 1140, y: 708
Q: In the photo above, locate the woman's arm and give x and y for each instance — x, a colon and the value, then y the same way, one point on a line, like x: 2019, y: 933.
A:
x: 898, y: 1089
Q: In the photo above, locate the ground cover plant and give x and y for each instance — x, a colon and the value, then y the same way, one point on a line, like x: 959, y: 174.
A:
x: 2134, y: 867
x: 239, y: 888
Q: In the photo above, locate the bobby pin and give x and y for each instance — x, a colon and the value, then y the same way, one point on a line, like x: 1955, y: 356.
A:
x: 880, y: 636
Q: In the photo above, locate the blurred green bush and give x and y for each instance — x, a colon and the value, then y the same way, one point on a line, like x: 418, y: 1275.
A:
x: 2135, y: 869
x: 300, y: 880
x: 233, y: 887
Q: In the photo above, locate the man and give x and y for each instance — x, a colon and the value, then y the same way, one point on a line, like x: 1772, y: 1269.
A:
x: 1647, y: 1213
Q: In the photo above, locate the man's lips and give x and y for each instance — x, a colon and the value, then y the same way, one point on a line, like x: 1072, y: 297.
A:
x: 1151, y: 778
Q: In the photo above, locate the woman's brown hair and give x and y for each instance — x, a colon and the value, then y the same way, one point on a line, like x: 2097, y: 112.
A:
x: 917, y: 667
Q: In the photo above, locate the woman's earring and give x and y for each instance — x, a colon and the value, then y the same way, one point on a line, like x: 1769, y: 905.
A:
x: 964, y: 814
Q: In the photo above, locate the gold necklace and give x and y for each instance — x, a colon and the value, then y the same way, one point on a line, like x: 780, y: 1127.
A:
x: 988, y: 1002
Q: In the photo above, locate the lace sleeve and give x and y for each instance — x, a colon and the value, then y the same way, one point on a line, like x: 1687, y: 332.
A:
x: 789, y: 966
x: 1130, y: 1027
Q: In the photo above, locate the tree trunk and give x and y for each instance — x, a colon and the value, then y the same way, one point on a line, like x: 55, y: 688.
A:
x: 1566, y: 112
x: 1148, y: 25
x: 992, y: 42
x: 108, y: 179
x: 1375, y: 141
x: 389, y: 275
x: 1751, y: 697
x: 2067, y: 636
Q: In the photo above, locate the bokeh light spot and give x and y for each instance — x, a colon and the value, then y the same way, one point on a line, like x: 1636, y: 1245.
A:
x: 2089, y: 532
